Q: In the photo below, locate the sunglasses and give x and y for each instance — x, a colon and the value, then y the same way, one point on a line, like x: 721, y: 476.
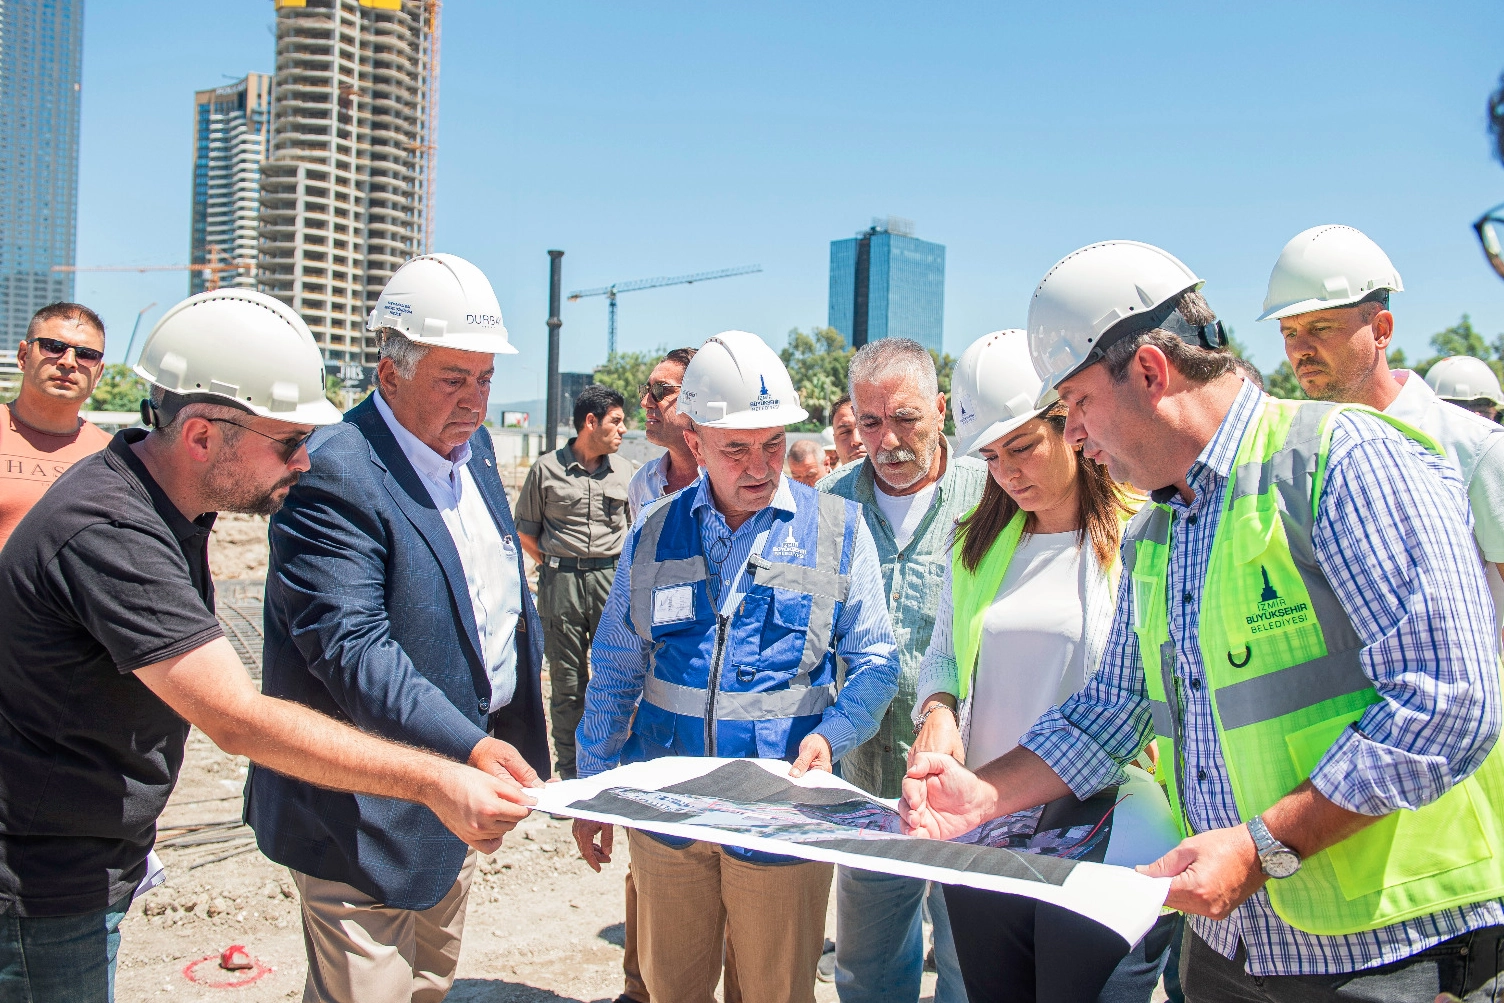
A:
x: 290, y: 446
x: 657, y: 391
x: 1490, y: 230
x: 54, y: 349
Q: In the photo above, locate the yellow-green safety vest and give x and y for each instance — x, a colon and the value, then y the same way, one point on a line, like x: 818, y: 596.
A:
x: 972, y: 593
x: 1281, y: 659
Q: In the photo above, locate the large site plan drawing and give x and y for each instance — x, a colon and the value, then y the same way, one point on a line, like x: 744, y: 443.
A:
x: 754, y: 804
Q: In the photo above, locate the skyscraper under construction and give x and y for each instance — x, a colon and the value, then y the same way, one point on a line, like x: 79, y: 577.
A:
x: 349, y: 158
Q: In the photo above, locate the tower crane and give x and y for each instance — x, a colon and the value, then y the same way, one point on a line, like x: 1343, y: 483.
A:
x: 636, y: 285
x: 209, y: 269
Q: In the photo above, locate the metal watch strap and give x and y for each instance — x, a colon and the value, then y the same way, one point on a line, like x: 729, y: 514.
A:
x: 1263, y: 839
x: 919, y: 725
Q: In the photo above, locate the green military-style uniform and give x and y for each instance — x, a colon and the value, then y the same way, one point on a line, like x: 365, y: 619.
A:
x: 580, y: 518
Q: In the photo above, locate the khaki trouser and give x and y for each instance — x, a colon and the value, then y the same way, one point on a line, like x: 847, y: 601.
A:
x: 360, y: 951
x: 570, y: 603
x: 635, y: 988
x: 689, y: 900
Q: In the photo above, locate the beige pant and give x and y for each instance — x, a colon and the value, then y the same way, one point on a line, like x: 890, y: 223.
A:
x: 360, y: 951
x: 692, y: 900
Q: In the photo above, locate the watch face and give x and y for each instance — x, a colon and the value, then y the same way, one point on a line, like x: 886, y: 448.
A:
x: 1280, y: 863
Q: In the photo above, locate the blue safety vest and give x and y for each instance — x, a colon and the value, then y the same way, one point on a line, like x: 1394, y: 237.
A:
x: 754, y: 680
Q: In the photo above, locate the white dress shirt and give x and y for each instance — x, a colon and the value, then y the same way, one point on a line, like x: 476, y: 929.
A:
x: 489, y: 559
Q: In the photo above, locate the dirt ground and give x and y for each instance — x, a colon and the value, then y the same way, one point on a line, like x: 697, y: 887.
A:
x: 541, y: 925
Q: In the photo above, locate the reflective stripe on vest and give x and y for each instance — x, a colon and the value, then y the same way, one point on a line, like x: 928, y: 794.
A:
x: 1282, y: 665
x: 824, y: 583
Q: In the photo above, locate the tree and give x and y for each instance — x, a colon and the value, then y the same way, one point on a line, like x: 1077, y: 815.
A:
x: 624, y: 372
x: 1463, y: 339
x: 119, y: 389
x: 817, y: 363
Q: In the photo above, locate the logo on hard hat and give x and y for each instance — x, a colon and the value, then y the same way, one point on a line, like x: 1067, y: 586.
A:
x: 764, y: 399
x: 964, y: 415
x: 397, y: 308
x: 482, y: 319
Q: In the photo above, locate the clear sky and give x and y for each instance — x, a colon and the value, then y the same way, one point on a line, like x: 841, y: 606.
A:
x: 655, y: 139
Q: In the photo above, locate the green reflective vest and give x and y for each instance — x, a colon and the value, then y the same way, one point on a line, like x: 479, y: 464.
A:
x: 972, y: 593
x: 1281, y: 659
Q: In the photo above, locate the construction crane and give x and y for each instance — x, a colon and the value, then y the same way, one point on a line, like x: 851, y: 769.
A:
x: 430, y: 146
x: 210, y: 269
x: 639, y: 284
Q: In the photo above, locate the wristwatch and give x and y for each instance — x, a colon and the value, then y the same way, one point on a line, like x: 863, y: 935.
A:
x: 1277, y: 859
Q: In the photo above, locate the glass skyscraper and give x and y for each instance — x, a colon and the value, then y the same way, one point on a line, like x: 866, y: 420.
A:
x: 229, y: 143
x: 887, y: 283
x: 41, y: 56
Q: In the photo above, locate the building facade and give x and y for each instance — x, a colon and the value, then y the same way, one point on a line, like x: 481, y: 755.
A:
x: 342, y: 185
x: 230, y: 129
x: 41, y: 60
x: 887, y: 283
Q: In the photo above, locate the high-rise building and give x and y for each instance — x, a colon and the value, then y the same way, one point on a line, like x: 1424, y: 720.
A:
x: 887, y: 283
x: 342, y: 186
x: 41, y: 57
x: 230, y: 127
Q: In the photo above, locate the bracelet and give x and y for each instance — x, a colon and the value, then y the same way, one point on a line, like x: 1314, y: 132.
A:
x: 919, y: 725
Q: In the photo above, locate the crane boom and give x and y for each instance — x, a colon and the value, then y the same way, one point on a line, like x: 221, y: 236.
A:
x: 675, y: 280
x: 635, y: 285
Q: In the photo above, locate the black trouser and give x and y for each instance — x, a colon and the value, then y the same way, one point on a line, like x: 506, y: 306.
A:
x: 1018, y: 950
x: 1467, y: 966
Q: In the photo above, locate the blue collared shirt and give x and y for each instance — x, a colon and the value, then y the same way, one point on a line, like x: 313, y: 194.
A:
x: 619, y: 656
x: 1393, y: 536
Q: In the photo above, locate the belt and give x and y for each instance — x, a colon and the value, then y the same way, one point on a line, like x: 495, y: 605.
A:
x: 579, y: 563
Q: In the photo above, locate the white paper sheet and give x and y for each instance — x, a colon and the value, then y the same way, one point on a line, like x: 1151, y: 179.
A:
x: 754, y: 804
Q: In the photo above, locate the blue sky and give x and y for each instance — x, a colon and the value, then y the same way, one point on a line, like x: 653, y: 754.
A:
x: 653, y: 139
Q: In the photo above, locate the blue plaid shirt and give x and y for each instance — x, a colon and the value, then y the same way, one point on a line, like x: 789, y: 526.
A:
x: 619, y: 656
x: 1393, y: 536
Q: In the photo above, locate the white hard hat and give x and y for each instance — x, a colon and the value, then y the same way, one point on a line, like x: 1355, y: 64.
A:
x: 239, y: 348
x: 1326, y: 267
x: 828, y: 437
x: 1464, y: 378
x: 1099, y: 295
x: 445, y: 301
x: 736, y: 381
x: 993, y: 389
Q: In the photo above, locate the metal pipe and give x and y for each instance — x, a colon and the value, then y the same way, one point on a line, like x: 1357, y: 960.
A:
x: 555, y: 395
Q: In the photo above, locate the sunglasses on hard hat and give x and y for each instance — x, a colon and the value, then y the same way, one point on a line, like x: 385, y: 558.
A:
x: 658, y: 391
x: 1490, y: 230
x: 54, y: 349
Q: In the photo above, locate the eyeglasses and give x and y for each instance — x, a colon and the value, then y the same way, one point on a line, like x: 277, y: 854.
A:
x: 657, y: 391
x: 290, y: 445
x: 54, y: 349
x: 1490, y: 230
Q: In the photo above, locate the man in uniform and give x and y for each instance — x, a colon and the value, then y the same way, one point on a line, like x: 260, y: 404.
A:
x: 572, y: 517
x: 720, y: 637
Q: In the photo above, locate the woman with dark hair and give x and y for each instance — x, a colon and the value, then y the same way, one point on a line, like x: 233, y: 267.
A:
x: 1023, y: 620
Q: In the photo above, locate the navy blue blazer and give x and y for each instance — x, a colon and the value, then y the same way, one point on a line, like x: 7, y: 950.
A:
x: 368, y: 619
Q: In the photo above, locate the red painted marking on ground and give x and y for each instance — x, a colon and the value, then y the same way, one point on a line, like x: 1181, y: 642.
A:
x: 191, y: 973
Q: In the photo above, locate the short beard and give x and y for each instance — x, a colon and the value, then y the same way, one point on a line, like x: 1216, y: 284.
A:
x: 228, y: 489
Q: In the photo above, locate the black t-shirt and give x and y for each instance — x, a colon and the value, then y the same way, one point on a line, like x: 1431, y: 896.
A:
x: 102, y: 577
